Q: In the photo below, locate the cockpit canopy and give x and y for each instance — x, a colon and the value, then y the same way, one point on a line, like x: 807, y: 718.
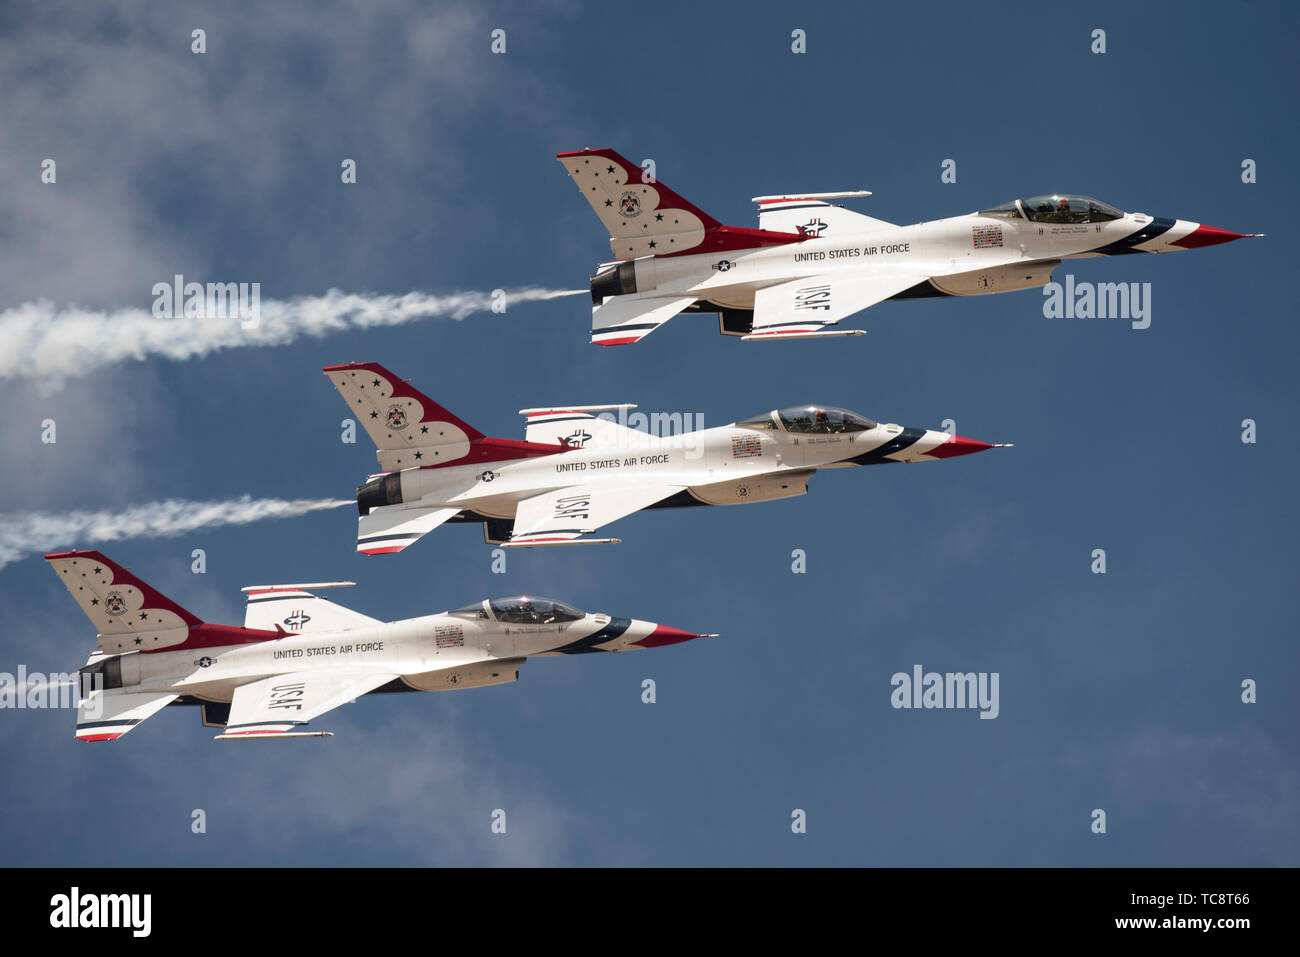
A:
x: 1056, y: 208
x: 522, y: 610
x: 816, y: 419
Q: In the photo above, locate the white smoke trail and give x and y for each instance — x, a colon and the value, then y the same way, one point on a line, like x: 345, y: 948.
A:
x: 34, y: 533
x: 40, y: 339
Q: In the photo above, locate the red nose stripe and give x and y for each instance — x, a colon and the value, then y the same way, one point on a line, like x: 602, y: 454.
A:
x: 663, y: 635
x: 958, y: 445
x: 1206, y: 236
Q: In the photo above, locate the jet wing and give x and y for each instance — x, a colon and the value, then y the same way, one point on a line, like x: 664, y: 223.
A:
x: 280, y: 705
x: 623, y: 319
x: 560, y: 517
x: 805, y: 306
x: 390, y: 528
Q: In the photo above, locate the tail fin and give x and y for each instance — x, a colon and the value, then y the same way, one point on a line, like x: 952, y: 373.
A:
x: 132, y: 616
x: 129, y: 615
x: 646, y: 218
x: 643, y: 218
x: 410, y: 429
x: 296, y: 610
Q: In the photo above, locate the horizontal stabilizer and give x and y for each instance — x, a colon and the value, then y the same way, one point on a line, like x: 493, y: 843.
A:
x: 391, y: 528
x: 624, y: 319
x: 106, y: 715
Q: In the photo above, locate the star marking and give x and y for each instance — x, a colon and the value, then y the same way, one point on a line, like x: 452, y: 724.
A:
x: 425, y: 428
x: 143, y: 616
x: 609, y: 202
x: 419, y: 455
x: 610, y: 170
x: 137, y: 641
x: 376, y: 382
x: 659, y: 217
x: 94, y: 601
x: 98, y: 569
x: 652, y: 244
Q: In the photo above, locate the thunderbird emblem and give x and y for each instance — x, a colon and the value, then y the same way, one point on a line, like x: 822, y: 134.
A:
x: 396, y: 417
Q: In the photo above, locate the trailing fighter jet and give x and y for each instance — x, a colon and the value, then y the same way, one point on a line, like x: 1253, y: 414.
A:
x: 578, y: 469
x: 298, y: 656
x: 811, y: 264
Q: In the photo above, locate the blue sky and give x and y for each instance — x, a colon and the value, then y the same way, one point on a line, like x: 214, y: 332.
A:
x: 1119, y: 692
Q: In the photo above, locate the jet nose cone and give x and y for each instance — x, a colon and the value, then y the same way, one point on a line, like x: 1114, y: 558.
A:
x: 1208, y: 236
x: 958, y: 445
x: 664, y: 635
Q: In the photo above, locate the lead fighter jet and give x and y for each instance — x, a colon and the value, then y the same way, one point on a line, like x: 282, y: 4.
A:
x: 811, y: 264
x: 298, y: 656
x: 578, y: 469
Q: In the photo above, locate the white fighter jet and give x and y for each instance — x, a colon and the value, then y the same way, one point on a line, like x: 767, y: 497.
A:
x: 579, y: 469
x: 811, y: 263
x: 298, y: 656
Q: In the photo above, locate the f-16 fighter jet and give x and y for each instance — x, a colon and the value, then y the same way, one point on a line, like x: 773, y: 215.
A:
x: 578, y: 469
x: 811, y: 264
x: 298, y: 656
